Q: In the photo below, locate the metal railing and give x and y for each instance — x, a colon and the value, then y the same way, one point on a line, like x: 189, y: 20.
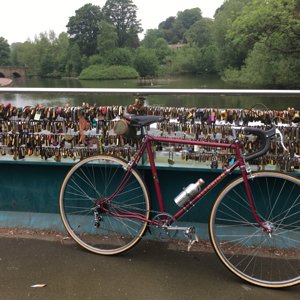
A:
x: 152, y: 91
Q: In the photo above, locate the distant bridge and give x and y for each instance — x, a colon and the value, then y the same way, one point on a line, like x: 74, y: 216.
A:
x: 13, y: 72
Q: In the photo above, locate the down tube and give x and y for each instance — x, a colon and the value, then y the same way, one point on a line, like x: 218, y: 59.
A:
x: 217, y: 180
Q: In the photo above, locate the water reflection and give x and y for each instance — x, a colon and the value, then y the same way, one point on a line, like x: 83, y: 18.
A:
x: 188, y: 82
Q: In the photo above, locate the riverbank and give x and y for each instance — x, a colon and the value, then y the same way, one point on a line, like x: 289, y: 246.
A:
x: 5, y: 82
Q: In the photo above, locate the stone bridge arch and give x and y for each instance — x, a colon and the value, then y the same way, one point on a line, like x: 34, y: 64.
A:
x: 13, y: 72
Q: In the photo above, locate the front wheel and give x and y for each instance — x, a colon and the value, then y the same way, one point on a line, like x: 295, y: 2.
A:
x: 265, y: 259
x: 103, y: 206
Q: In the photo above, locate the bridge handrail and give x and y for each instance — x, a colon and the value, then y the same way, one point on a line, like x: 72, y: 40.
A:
x: 152, y: 91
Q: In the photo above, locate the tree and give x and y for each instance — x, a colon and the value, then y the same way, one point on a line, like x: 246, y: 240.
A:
x: 122, y: 14
x: 162, y: 50
x: 150, y: 37
x: 120, y: 57
x: 44, y: 49
x: 200, y: 34
x: 168, y: 31
x: 185, y: 19
x: 107, y: 38
x: 227, y: 55
x: 205, y: 60
x: 14, y: 54
x: 146, y: 62
x: 4, y: 52
x: 74, y: 64
x: 174, y: 28
x: 270, y: 33
x: 184, y: 61
x: 84, y: 28
x: 60, y: 48
x: 26, y: 54
x: 275, y: 21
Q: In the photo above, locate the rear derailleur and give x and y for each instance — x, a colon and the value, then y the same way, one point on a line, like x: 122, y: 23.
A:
x: 97, y: 217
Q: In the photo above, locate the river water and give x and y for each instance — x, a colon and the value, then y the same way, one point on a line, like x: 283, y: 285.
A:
x: 188, y: 82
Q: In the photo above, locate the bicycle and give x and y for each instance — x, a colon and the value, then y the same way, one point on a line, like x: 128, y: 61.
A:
x: 254, y: 224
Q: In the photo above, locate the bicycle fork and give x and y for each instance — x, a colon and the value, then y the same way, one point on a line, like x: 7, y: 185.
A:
x: 267, y: 227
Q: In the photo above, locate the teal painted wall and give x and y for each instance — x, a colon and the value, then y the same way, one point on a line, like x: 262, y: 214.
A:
x: 34, y: 188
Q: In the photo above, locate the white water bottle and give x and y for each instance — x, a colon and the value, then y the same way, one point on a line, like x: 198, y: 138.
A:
x: 189, y: 192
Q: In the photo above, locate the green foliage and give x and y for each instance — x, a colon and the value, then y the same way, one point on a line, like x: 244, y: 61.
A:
x: 185, y: 19
x: 150, y: 38
x: 107, y: 38
x: 146, y: 62
x: 46, y: 56
x: 263, y: 69
x: 200, y: 34
x: 74, y: 65
x: 102, y: 72
x: 122, y: 15
x: 174, y: 28
x: 120, y: 56
x: 83, y: 28
x: 227, y: 54
x: 60, y: 50
x: 25, y: 54
x: 250, y: 42
x: 268, y: 31
x: 168, y: 31
x: 206, y: 60
x: 96, y: 59
x: 194, y: 60
x: 153, y: 40
x: 162, y: 50
x: 184, y: 61
x: 4, y: 52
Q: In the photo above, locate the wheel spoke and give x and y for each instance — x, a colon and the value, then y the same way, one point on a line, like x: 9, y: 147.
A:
x: 99, y: 225
x: 263, y: 258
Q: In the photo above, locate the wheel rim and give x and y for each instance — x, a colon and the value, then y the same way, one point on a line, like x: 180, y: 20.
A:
x: 266, y: 259
x: 95, y: 224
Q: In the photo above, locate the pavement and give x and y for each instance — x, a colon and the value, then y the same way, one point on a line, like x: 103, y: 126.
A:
x: 39, y: 265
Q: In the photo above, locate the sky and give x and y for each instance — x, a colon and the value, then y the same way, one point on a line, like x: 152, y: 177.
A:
x: 24, y: 19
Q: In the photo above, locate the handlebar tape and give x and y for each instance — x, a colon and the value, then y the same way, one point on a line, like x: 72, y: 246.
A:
x: 264, y: 137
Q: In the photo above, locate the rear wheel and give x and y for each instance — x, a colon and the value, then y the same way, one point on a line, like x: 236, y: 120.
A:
x: 265, y: 259
x: 96, y: 212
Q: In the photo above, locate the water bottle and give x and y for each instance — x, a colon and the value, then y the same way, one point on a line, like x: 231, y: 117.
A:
x: 188, y: 193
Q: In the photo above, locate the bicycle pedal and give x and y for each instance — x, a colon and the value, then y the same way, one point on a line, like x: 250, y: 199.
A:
x: 192, y: 236
x: 190, y: 244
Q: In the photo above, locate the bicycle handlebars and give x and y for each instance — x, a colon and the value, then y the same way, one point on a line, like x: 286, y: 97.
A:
x: 264, y: 137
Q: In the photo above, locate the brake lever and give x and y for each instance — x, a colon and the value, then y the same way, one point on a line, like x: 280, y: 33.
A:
x: 282, y: 144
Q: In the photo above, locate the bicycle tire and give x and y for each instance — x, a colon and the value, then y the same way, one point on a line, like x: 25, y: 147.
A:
x: 268, y: 260
x: 104, y: 231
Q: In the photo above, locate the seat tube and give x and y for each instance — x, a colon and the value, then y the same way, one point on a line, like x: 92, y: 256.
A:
x: 155, y: 177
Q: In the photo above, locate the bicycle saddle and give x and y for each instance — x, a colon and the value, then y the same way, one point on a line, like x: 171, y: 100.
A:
x: 143, y: 120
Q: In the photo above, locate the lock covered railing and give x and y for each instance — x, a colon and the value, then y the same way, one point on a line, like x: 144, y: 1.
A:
x: 69, y: 133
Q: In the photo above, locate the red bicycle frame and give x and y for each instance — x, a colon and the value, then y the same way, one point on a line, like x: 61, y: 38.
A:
x: 147, y: 146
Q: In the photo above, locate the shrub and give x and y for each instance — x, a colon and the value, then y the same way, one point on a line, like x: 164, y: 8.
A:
x: 146, y: 62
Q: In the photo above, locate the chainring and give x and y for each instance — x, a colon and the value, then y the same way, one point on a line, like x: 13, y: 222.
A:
x: 160, y: 226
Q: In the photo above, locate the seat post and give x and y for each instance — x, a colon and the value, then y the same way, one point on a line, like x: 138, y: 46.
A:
x: 142, y: 131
